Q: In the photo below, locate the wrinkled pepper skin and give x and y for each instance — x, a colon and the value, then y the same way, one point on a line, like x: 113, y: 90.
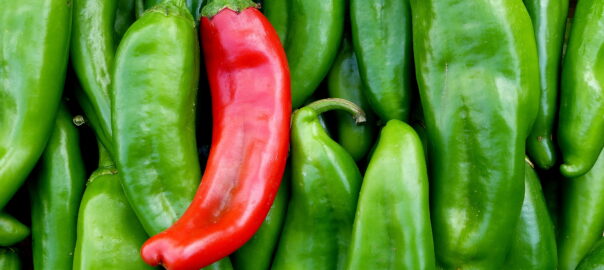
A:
x: 392, y: 224
x: 381, y: 34
x: 257, y: 253
x: 194, y: 6
x: 325, y: 188
x: 344, y: 82
x: 155, y: 77
x: 476, y: 64
x: 581, y: 124
x: 109, y: 235
x: 534, y: 242
x: 594, y: 259
x: 582, y: 215
x: 313, y: 36
x: 9, y: 259
x: 11, y: 230
x: 549, y: 24
x: 34, y: 51
x: 55, y: 195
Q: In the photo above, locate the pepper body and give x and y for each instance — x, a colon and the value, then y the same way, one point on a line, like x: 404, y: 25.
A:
x: 594, y: 259
x: 276, y: 11
x: 381, y: 34
x: 549, y: 24
x: 34, y: 51
x: 476, y: 64
x: 155, y: 77
x: 581, y: 125
x: 11, y: 230
x: 55, y: 196
x: 392, y: 225
x: 9, y: 259
x: 534, y: 241
x: 582, y: 215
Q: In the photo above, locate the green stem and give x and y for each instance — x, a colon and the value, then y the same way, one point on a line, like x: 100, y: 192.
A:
x: 215, y: 6
x: 105, y: 160
x: 328, y: 104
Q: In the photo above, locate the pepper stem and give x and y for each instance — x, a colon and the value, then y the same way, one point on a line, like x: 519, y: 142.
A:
x: 105, y: 160
x: 215, y: 6
x: 328, y: 104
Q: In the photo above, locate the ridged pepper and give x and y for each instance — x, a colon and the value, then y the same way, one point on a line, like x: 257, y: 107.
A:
x: 34, y: 47
x: 194, y: 6
x: 392, y: 224
x: 154, y: 91
x: 478, y: 76
x: 582, y: 215
x: 549, y: 24
x: 9, y: 259
x: 55, y: 195
x: 381, y: 35
x: 11, y: 230
x: 594, y: 259
x: 311, y: 32
x: 344, y: 82
x: 325, y: 188
x: 581, y: 124
x: 534, y: 241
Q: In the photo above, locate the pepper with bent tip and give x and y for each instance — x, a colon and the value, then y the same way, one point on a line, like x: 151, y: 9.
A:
x: 11, y: 230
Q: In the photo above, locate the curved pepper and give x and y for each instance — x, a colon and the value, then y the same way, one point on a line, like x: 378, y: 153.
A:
x: 549, y: 24
x: 9, y: 259
x: 11, y: 230
x: 594, y: 259
x: 392, y: 224
x: 479, y: 86
x: 325, y: 188
x: 582, y: 215
x: 153, y: 108
x: 534, y: 241
x: 381, y: 35
x: 249, y: 82
x: 344, y: 82
x: 34, y: 48
x: 311, y: 32
x: 55, y: 196
x: 581, y: 124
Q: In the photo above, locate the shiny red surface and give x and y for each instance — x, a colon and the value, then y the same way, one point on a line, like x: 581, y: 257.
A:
x: 251, y: 105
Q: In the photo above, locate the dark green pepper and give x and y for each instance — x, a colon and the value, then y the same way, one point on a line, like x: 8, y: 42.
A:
x: 325, y: 188
x: 276, y: 11
x: 392, y: 225
x: 9, y: 259
x: 381, y: 34
x: 478, y: 76
x: 11, y: 230
x: 594, y: 259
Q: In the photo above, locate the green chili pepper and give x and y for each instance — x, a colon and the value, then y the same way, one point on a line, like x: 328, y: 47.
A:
x: 392, y: 224
x: 381, y: 35
x: 11, y: 230
x: 257, y: 253
x: 534, y: 241
x: 549, y: 24
x: 311, y: 32
x: 34, y: 48
x: 109, y: 236
x: 194, y: 7
x: 344, y: 82
x: 476, y: 63
x: 595, y: 259
x: 9, y: 259
x: 325, y: 187
x: 581, y: 124
x: 582, y: 215
x: 55, y: 194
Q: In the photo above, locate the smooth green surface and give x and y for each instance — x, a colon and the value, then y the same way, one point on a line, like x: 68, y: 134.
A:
x: 55, y: 195
x: 11, y: 230
x: 392, y: 225
x: 478, y: 76
x: 581, y: 124
x: 276, y: 12
x: 34, y: 47
x: 9, y: 259
x: 381, y: 34
x: 594, y: 259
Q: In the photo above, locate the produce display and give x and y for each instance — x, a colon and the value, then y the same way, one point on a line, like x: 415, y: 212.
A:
x: 301, y: 134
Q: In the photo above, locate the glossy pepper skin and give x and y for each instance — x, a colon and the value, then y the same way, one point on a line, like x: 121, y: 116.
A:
x: 109, y: 235
x: 549, y: 24
x: 476, y: 64
x: 582, y: 215
x: 392, y: 225
x: 9, y: 259
x: 311, y: 32
x: 594, y: 259
x: 381, y: 34
x: 155, y: 77
x: 11, y: 230
x: 325, y: 188
x: 581, y: 124
x: 55, y: 195
x: 534, y: 241
x: 251, y: 107
x: 257, y: 253
x: 34, y: 51
x: 344, y: 82
x: 194, y: 6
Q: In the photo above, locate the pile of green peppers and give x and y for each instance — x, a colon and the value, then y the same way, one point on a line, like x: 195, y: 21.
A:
x: 426, y: 134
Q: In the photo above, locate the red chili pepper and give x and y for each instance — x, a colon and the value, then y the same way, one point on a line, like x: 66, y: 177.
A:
x: 251, y: 105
